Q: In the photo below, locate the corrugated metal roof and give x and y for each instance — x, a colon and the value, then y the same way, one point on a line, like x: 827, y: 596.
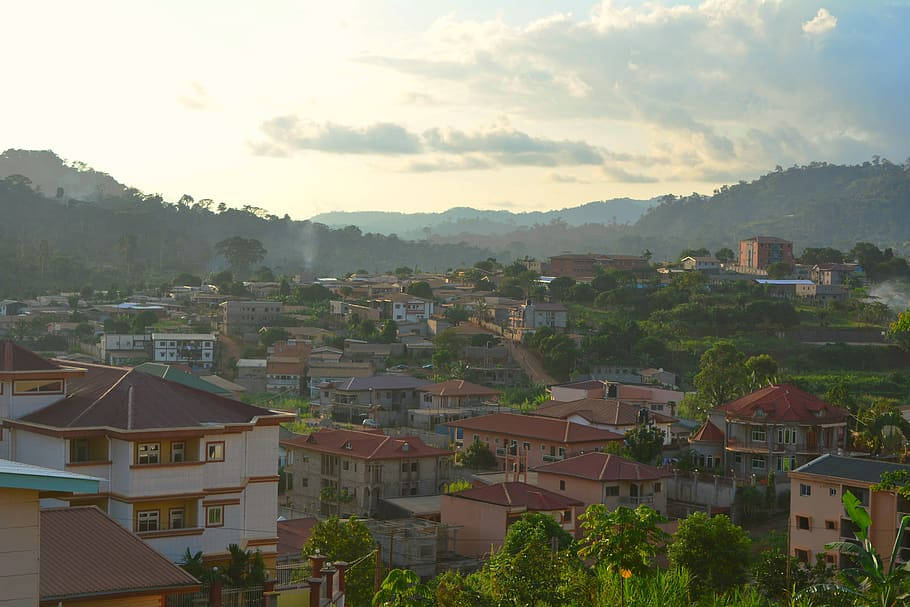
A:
x: 364, y: 445
x: 851, y: 468
x: 25, y: 476
x: 518, y: 494
x: 532, y: 426
x: 603, y: 467
x: 14, y: 357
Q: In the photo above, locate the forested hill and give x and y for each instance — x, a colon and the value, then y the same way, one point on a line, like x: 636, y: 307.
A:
x: 47, y: 245
x: 55, y: 178
x: 467, y: 220
x: 816, y: 205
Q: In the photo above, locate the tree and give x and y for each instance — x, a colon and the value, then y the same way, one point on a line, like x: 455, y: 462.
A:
x: 645, y: 442
x: 722, y: 375
x: 346, y: 540
x: 264, y: 274
x: 142, y: 321
x: 813, y: 256
x: 535, y: 527
x: 604, y: 281
x: 478, y: 456
x: 779, y: 270
x: 775, y: 574
x: 240, y: 252
x: 402, y: 588
x: 245, y: 567
x: 724, y: 255
x: 727, y: 544
x: 421, y: 288
x: 273, y: 334
x: 389, y: 332
x: 456, y: 486
x: 702, y: 252
x: 623, y: 539
x: 881, y: 428
x: 185, y: 278
x: 762, y: 370
x: 559, y: 287
x: 899, y: 330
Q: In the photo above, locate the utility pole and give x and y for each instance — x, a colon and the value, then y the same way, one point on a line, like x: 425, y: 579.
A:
x: 391, y: 546
x: 378, y: 569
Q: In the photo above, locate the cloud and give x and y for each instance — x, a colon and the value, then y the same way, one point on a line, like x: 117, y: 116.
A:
x: 511, y: 147
x: 821, y: 23
x: 196, y: 98
x: 620, y: 175
x: 290, y: 133
x: 466, y: 163
x: 560, y: 178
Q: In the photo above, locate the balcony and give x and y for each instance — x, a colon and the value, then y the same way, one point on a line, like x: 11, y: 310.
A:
x: 637, y: 501
x: 553, y: 458
x: 166, y: 479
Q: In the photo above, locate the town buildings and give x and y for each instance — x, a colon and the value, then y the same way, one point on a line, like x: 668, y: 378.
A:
x: 195, y: 350
x: 347, y: 471
x: 531, y: 316
x: 759, y: 252
x: 402, y: 307
x: 251, y: 374
x: 701, y: 264
x: 583, y: 266
x: 125, y: 349
x: 241, y: 317
x: 456, y: 394
x: 832, y: 273
x: 320, y: 374
x: 384, y: 398
x: 607, y: 414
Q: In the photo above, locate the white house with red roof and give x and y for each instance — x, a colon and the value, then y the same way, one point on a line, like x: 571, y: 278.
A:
x: 336, y: 471
x: 778, y: 428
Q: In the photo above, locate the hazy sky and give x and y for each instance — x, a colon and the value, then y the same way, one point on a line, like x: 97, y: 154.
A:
x: 305, y: 107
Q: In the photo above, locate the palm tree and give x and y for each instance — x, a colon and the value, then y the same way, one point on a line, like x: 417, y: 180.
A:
x: 881, y: 429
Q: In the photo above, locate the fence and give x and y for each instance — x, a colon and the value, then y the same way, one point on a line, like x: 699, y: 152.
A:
x: 242, y: 597
x: 229, y: 597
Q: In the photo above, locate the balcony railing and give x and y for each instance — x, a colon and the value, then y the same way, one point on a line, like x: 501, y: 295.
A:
x: 553, y: 458
x: 637, y: 501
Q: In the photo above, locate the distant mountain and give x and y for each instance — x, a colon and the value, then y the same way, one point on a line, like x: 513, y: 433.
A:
x: 467, y: 220
x: 57, y: 179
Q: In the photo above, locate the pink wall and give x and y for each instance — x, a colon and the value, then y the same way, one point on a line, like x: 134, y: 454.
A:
x: 482, y: 525
x: 591, y: 492
x: 535, y: 455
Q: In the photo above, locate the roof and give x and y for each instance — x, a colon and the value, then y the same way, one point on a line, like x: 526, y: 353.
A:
x: 459, y: 387
x: 532, y: 426
x: 851, y: 468
x: 171, y: 373
x: 103, y: 399
x: 254, y: 363
x: 783, y: 281
x: 223, y: 383
x: 85, y: 553
x: 784, y: 403
x: 599, y: 411
x: 293, y: 534
x: 708, y: 433
x: 768, y: 239
x: 549, y: 307
x: 597, y: 466
x: 330, y: 369
x: 587, y: 384
x: 418, y: 505
x: 518, y: 494
x: 284, y: 365
x: 16, y: 475
x: 836, y: 267
x: 15, y: 358
x: 381, y: 382
x: 364, y: 444
x: 185, y: 336
x: 702, y: 259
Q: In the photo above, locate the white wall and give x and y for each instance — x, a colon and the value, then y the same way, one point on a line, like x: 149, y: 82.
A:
x: 19, y: 525
x: 39, y: 449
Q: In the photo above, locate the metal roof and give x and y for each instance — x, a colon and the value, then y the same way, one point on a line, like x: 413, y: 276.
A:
x: 850, y: 468
x: 16, y: 475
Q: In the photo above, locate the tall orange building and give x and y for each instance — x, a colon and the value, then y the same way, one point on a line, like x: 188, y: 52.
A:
x: 759, y: 252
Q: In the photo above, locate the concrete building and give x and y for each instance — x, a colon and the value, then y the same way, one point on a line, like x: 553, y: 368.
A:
x: 832, y: 273
x: 347, y: 471
x: 456, y: 394
x: 701, y: 264
x: 759, y: 252
x: 582, y: 266
x: 251, y: 374
x: 607, y: 414
x: 195, y: 350
x: 822, y: 293
x: 402, y: 307
x: 531, y: 316
x: 413, y: 543
x: 240, y: 317
x: 383, y: 398
x: 122, y: 349
x: 320, y: 374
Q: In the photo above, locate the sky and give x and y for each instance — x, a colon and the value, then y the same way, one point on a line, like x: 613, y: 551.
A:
x: 308, y: 107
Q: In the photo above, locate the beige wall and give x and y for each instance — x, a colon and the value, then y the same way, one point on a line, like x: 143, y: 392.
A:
x: 19, y: 530
x: 592, y: 492
x: 538, y: 448
x: 482, y: 526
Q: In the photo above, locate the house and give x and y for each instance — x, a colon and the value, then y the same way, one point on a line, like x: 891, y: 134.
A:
x: 759, y: 252
x: 707, y: 443
x: 783, y: 288
x: 482, y: 515
x: 195, y: 350
x: 293, y: 535
x: 456, y: 394
x: 817, y: 514
x: 324, y: 354
x: 87, y: 558
x: 533, y: 440
x: 360, y: 352
x: 531, y: 316
x: 335, y: 471
x: 607, y: 414
x: 604, y: 478
x: 284, y: 375
x: 183, y: 468
x: 21, y: 488
x: 778, y: 428
x: 173, y: 373
x: 832, y: 273
x: 241, y: 317
x: 385, y: 398
x: 701, y: 264
x: 346, y: 309
x: 583, y: 266
x: 658, y: 377
x: 651, y: 397
x: 251, y: 374
x: 822, y: 293
x: 615, y: 373
x: 590, y: 388
x: 232, y: 389
x: 411, y: 543
x: 402, y: 307
x: 322, y: 373
x: 121, y: 349
x: 12, y: 307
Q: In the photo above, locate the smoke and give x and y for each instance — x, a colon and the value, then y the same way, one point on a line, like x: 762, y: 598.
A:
x: 893, y: 293
x: 309, y: 244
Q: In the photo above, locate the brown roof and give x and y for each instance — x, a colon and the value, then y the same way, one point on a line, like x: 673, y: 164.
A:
x: 708, y: 433
x: 459, y: 387
x: 101, y: 399
x: 85, y: 553
x: 532, y: 426
x: 284, y: 365
x: 293, y: 534
x: 599, y: 411
x: 14, y: 357
x: 364, y: 444
x: 784, y: 403
x: 518, y: 494
x: 598, y: 466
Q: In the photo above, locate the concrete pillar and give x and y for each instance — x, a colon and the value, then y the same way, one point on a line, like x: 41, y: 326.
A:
x: 342, y: 567
x: 315, y: 583
x: 328, y: 573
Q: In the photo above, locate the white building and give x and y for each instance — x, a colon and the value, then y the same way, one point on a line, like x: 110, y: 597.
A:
x: 701, y: 264
x: 182, y: 468
x: 402, y: 307
x: 190, y: 349
x: 123, y: 349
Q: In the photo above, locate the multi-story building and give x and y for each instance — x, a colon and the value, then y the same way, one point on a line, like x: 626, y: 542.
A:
x: 322, y: 373
x: 181, y: 467
x: 195, y: 350
x: 402, y: 307
x: 603, y: 478
x: 251, y: 374
x: 759, y: 252
x: 583, y: 266
x: 778, y: 428
x: 239, y: 317
x: 832, y: 273
x: 531, y: 316
x: 607, y: 414
x: 347, y: 471
x: 123, y: 349
x: 530, y: 440
x: 817, y: 515
x: 456, y: 394
x: 384, y: 398
x: 822, y: 293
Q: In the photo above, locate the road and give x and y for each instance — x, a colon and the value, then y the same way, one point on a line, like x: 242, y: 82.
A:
x: 531, y: 364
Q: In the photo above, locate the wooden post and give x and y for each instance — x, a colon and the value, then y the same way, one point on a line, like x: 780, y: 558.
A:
x: 378, y: 569
x: 391, y: 546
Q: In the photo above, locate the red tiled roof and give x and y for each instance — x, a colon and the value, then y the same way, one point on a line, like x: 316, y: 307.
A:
x: 101, y: 399
x: 459, y: 387
x: 708, y: 433
x: 519, y: 494
x: 293, y: 534
x: 364, y: 445
x: 85, y: 553
x: 14, y: 357
x: 597, y: 466
x: 534, y: 426
x: 599, y: 411
x: 784, y: 403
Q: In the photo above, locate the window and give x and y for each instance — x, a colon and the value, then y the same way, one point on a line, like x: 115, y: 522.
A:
x: 611, y: 490
x: 786, y: 463
x: 562, y: 452
x: 738, y: 458
x: 214, y: 516
x: 289, y: 481
x: 758, y: 462
x: 526, y: 446
x: 543, y: 447
x: 656, y: 487
x: 147, y: 520
x: 404, y: 467
x: 148, y: 453
x: 830, y: 524
x: 304, y: 482
x: 832, y: 491
x: 413, y: 466
x: 214, y: 452
x: 38, y: 386
x: 802, y: 522
x: 562, y: 485
x: 786, y: 436
x: 178, y: 452
x: 80, y: 450
x: 830, y: 559
x: 567, y: 516
x: 345, y: 465
x: 759, y: 436
x: 805, y: 490
x: 177, y: 519
x: 801, y: 555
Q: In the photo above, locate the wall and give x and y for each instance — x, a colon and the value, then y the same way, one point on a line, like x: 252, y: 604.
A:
x: 19, y: 524
x: 592, y: 492
x: 706, y: 490
x: 481, y: 525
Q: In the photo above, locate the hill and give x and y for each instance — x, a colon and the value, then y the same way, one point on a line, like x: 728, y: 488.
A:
x: 58, y: 179
x: 468, y: 220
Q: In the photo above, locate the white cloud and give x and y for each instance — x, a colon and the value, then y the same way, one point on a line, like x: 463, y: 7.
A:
x: 821, y: 23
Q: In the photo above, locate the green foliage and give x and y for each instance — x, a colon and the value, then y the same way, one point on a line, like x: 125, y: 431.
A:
x: 273, y: 334
x: 557, y: 350
x: 899, y: 330
x: 812, y: 256
x: 780, y: 269
x: 402, y: 588
x: 762, y: 370
x: 535, y: 527
x: 727, y: 544
x: 722, y: 377
x: 389, y: 332
x: 881, y: 428
x: 644, y: 443
x: 725, y: 255
x: 622, y: 539
x: 477, y: 456
x: 456, y: 486
x: 559, y: 287
x: 240, y: 252
x: 420, y: 288
x: 346, y: 540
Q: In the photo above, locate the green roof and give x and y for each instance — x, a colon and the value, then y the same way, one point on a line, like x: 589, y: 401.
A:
x: 181, y: 377
x: 16, y: 475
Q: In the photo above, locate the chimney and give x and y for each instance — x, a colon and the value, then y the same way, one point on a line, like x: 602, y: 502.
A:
x: 129, y: 410
x: 315, y: 583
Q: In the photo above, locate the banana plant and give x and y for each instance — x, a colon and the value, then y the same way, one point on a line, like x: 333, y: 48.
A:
x: 870, y: 582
